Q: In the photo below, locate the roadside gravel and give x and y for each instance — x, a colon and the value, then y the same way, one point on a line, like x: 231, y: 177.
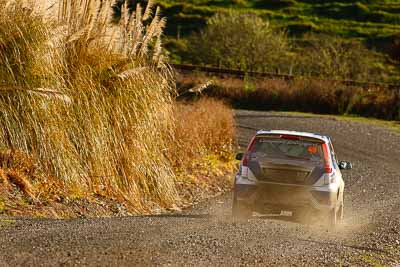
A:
x: 207, y: 235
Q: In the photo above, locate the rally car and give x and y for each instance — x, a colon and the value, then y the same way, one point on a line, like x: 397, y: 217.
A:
x: 290, y: 172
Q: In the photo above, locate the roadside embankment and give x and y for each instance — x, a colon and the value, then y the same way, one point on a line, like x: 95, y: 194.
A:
x: 305, y: 95
x: 89, y: 123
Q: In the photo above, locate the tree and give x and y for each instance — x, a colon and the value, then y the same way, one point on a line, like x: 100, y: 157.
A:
x: 240, y: 41
x: 336, y: 58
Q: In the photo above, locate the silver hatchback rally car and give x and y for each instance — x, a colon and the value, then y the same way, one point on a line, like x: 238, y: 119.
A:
x: 290, y: 171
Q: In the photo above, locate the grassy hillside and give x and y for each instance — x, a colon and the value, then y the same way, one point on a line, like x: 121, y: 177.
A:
x: 343, y: 40
x: 375, y: 23
x: 371, y: 20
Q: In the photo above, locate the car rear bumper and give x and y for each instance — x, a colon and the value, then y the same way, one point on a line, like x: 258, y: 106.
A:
x: 262, y: 195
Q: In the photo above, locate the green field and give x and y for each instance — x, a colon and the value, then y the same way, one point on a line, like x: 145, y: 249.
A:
x: 374, y: 22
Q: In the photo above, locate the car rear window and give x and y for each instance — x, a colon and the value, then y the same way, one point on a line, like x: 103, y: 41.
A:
x: 272, y: 147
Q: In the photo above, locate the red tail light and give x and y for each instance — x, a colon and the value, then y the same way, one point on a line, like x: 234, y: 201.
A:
x: 327, y: 157
x: 245, y: 161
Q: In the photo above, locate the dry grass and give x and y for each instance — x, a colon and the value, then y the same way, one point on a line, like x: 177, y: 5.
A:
x: 90, y: 104
x: 15, y: 168
x: 4, y: 179
x: 208, y: 126
x: 20, y: 181
x: 305, y: 95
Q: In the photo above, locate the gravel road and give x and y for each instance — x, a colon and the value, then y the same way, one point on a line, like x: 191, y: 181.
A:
x: 207, y: 235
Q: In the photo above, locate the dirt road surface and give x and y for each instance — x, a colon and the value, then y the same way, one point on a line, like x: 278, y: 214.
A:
x: 207, y: 236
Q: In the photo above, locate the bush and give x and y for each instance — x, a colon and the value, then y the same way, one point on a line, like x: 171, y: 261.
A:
x: 239, y: 41
x: 208, y: 126
x: 334, y: 58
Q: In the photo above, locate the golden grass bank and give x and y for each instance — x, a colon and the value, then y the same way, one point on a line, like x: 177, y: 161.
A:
x: 89, y: 120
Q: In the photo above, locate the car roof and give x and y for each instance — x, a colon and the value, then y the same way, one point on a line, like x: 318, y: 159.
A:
x: 301, y: 134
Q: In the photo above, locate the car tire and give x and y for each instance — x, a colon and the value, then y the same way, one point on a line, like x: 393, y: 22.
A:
x: 240, y: 211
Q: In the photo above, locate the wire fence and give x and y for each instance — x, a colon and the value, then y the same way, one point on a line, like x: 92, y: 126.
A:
x: 286, y: 77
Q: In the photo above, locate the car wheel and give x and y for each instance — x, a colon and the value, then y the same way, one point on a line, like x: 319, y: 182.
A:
x: 240, y: 211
